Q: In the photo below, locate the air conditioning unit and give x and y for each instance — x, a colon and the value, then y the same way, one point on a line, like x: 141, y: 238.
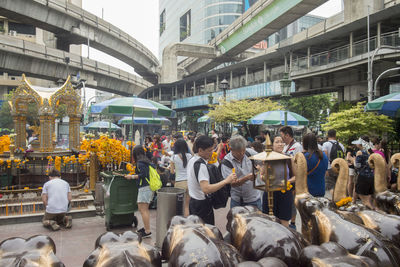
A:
x: 13, y: 33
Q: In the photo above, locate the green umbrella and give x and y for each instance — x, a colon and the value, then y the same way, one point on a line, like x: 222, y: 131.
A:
x: 144, y: 120
x: 101, y: 125
x: 132, y: 106
x: 388, y: 105
x: 277, y: 117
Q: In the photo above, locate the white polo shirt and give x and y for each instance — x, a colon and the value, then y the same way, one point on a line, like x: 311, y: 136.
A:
x: 194, y: 184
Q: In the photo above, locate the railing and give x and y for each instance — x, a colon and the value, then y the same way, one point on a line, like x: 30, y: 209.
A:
x: 342, y: 53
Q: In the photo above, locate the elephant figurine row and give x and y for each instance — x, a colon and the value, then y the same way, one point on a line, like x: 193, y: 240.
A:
x: 386, y: 224
x: 122, y: 250
x: 321, y: 223
x: 38, y: 250
x: 191, y: 242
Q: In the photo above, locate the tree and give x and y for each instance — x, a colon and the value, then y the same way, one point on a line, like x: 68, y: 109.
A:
x: 354, y: 122
x: 242, y: 110
x: 314, y: 108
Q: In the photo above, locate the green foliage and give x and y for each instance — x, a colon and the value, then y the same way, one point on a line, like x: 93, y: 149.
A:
x: 6, y: 121
x: 314, y: 107
x: 241, y: 110
x: 355, y: 122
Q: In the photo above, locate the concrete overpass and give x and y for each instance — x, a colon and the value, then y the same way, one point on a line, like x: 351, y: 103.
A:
x: 264, y: 18
x: 73, y: 25
x: 18, y: 56
x: 329, y: 56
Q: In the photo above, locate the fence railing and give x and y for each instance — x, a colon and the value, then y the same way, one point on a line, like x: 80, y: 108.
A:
x: 342, y: 53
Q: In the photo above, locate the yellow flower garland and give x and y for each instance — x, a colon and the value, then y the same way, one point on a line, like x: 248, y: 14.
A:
x: 343, y: 201
x: 288, y: 187
x: 131, y: 168
x: 214, y: 158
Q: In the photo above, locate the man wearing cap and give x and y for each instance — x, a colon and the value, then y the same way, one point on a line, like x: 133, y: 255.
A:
x: 331, y: 176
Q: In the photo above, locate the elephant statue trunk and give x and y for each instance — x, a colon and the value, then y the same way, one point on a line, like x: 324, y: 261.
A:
x: 377, y: 162
x: 340, y: 166
x: 395, y: 160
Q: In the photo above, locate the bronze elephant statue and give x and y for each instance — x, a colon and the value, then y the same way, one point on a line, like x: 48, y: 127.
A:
x: 322, y: 223
x: 332, y: 254
x: 122, y: 250
x: 386, y: 200
x: 386, y: 224
x: 264, y: 262
x: 38, y: 250
x: 190, y: 242
x: 257, y: 235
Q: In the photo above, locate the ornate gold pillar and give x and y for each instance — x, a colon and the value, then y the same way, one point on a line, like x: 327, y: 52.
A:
x: 46, y: 121
x: 53, y: 133
x: 74, y: 122
x: 20, y: 130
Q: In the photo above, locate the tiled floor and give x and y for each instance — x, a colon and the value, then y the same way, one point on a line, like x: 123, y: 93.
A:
x: 74, y: 245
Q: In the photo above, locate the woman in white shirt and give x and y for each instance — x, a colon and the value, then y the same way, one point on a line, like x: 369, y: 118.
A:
x: 178, y: 167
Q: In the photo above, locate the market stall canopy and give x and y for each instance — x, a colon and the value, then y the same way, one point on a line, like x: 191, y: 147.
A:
x: 144, y: 120
x: 388, y: 105
x: 96, y: 125
x: 277, y: 117
x: 134, y: 106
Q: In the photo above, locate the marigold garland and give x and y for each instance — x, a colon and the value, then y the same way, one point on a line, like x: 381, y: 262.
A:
x: 214, y: 158
x: 288, y: 187
x: 343, y: 201
x: 131, y: 168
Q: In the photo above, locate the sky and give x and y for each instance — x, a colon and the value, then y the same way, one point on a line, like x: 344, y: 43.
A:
x: 140, y: 18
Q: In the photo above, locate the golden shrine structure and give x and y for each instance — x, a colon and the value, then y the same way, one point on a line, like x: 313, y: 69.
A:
x: 47, y: 100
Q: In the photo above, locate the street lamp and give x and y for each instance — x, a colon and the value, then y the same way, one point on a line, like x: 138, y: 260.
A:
x: 285, y: 84
x: 223, y: 85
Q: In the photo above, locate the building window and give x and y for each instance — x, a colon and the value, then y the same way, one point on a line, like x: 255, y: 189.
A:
x: 185, y: 26
x: 162, y: 22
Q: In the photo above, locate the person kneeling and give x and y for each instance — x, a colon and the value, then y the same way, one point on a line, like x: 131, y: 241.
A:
x: 56, y: 196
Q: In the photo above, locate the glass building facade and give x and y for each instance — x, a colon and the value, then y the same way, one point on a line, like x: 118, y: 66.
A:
x: 197, y: 22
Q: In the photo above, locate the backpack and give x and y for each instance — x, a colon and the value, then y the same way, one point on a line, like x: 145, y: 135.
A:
x: 336, y: 151
x: 219, y: 198
x: 154, y: 180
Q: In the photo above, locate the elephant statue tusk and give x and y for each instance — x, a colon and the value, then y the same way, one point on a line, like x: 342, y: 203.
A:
x: 321, y: 223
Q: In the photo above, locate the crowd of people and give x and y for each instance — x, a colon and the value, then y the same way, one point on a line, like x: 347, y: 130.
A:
x: 179, y: 161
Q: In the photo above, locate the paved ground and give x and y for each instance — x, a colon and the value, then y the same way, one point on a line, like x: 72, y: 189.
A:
x: 74, y: 245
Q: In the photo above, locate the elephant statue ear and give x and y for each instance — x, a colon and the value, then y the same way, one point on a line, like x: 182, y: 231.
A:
x: 300, y: 165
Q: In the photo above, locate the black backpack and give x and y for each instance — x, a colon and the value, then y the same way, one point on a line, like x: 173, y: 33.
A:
x: 219, y: 198
x: 336, y: 151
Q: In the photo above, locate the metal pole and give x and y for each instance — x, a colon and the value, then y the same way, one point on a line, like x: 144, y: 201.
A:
x: 285, y: 117
x: 370, y: 93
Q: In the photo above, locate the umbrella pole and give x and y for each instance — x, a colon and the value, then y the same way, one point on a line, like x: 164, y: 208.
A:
x: 132, y: 137
x: 285, y: 117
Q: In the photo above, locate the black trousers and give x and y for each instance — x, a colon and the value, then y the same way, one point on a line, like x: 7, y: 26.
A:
x: 203, y: 209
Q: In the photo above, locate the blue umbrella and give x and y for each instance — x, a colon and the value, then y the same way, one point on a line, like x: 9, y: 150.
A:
x: 277, y: 117
x: 388, y: 105
x: 101, y: 125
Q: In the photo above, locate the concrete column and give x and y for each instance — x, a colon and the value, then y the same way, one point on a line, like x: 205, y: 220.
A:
x: 351, y: 45
x: 230, y: 79
x: 154, y: 94
x: 378, y: 34
x: 216, y: 84
x: 290, y: 61
x: 205, y: 85
x: 265, y: 72
x: 308, y: 57
x: 159, y: 94
x: 184, y: 90
x: 247, y: 76
x: 194, y: 88
x: 176, y: 91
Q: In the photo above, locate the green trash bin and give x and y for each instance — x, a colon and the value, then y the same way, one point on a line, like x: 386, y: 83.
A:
x: 5, y: 180
x: 120, y: 196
